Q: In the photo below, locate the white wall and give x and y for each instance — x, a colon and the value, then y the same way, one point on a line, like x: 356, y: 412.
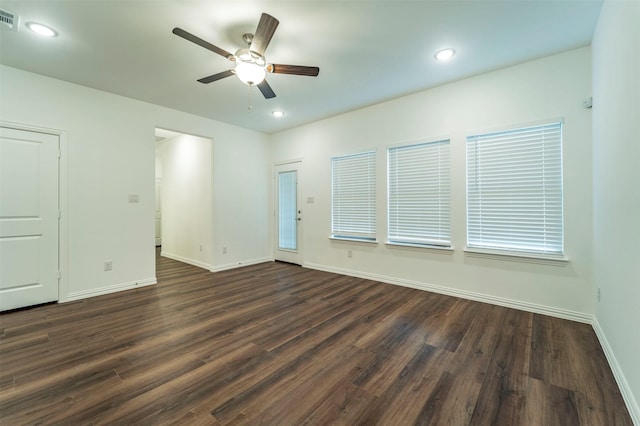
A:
x: 241, y: 185
x: 552, y: 87
x: 616, y: 202
x: 187, y: 199
x: 110, y: 154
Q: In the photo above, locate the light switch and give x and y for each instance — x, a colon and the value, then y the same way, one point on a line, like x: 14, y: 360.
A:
x: 134, y: 198
x: 310, y: 200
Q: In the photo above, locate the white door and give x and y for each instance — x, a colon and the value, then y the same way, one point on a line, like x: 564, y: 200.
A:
x: 288, y: 213
x: 158, y: 214
x: 29, y: 217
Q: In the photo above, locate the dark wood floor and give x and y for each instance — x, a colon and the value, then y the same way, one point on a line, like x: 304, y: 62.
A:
x: 277, y: 344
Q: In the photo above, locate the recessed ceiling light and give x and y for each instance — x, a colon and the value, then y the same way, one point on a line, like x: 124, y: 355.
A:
x: 445, y: 54
x: 42, y: 30
x: 278, y: 114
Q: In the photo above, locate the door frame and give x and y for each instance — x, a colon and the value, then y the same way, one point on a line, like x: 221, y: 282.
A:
x: 158, y: 202
x: 63, y: 224
x: 298, y: 164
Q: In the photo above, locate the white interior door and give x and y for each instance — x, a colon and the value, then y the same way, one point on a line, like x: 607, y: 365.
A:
x: 288, y: 213
x: 29, y: 216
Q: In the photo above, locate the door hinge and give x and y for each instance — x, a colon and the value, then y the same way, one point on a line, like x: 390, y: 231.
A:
x: 59, y: 275
x: 59, y: 214
x: 59, y: 154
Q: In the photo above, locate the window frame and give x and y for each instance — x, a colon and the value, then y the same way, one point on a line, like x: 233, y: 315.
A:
x: 509, y: 248
x: 431, y: 235
x: 346, y: 228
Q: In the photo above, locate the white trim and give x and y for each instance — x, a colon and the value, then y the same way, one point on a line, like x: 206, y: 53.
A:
x: 418, y: 141
x: 242, y: 263
x: 623, y: 385
x: 513, y: 126
x: 197, y: 263
x: 180, y: 133
x: 441, y: 249
x: 285, y: 162
x: 63, y: 223
x: 515, y: 256
x: 109, y: 289
x: 464, y: 294
x: 353, y: 240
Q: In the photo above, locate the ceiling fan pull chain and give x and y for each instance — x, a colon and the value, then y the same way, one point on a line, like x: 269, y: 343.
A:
x: 250, y: 107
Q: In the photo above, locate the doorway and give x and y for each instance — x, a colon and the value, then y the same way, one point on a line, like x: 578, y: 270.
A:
x: 288, y: 217
x: 184, y: 197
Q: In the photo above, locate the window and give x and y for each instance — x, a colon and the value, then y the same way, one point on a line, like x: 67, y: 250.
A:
x: 419, y: 192
x: 353, y: 196
x: 514, y: 190
x: 287, y: 210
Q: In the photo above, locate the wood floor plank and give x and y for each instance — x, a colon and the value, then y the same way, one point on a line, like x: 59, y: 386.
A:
x: 550, y: 405
x: 502, y: 396
x: 344, y: 404
x: 483, y: 331
x: 174, y: 399
x: 55, y: 398
x: 403, y: 401
x: 299, y: 395
x: 276, y: 343
x: 453, y: 326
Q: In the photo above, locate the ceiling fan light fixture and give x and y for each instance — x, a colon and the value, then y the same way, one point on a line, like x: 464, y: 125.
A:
x: 278, y: 114
x: 250, y: 73
x: 445, y: 54
x: 250, y: 67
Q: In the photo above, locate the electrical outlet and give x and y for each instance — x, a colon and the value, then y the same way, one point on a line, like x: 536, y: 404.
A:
x: 108, y: 265
x: 598, y: 294
x: 224, y: 250
x: 349, y: 253
x: 200, y: 247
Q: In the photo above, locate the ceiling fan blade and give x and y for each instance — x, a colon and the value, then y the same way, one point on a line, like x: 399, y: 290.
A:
x: 294, y: 70
x: 216, y: 77
x: 200, y: 42
x: 266, y: 27
x: 266, y: 90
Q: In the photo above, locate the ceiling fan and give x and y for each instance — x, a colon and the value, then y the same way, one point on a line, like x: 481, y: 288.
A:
x: 251, y: 65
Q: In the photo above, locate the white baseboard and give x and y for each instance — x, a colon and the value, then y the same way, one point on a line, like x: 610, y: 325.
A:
x: 240, y: 264
x: 108, y: 289
x: 623, y: 385
x: 186, y: 260
x: 463, y: 294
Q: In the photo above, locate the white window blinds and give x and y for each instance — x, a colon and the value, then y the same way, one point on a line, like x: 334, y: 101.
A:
x: 419, y: 193
x: 514, y: 190
x: 353, y: 196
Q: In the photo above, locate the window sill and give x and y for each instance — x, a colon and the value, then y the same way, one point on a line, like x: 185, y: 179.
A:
x: 517, y: 257
x: 353, y: 240
x: 439, y: 249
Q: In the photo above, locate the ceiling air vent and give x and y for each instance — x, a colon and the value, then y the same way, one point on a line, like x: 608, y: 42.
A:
x: 9, y: 19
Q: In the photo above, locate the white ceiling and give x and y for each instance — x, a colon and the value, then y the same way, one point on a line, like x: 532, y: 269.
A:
x: 367, y: 51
